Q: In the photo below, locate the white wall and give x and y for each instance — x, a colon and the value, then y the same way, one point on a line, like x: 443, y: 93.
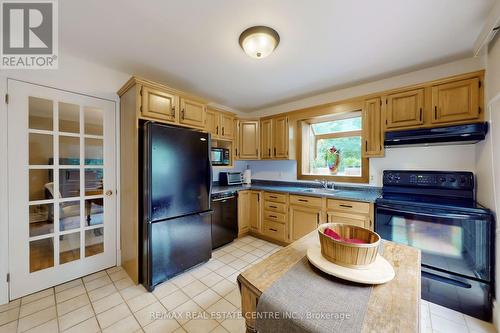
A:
x: 488, y: 153
x: 428, y: 74
x: 74, y: 74
x: 431, y: 158
x: 454, y: 158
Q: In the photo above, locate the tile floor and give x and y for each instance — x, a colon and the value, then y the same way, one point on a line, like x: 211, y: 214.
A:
x: 108, y: 301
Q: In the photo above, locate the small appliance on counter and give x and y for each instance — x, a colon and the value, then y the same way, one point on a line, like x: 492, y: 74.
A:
x: 230, y: 178
x: 220, y: 156
x: 247, y: 176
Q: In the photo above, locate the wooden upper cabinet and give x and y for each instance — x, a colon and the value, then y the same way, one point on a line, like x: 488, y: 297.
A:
x: 373, y: 136
x: 192, y: 113
x: 212, y: 122
x: 226, y: 126
x: 266, y: 137
x: 456, y: 101
x: 405, y: 109
x: 158, y: 104
x: 248, y: 140
x: 280, y: 137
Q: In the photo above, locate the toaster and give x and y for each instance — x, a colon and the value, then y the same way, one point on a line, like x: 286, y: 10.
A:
x: 230, y: 178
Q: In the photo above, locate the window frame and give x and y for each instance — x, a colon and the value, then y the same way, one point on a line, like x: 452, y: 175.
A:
x: 303, y: 142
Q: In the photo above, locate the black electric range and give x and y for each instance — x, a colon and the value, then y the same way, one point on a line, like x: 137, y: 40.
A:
x: 437, y: 213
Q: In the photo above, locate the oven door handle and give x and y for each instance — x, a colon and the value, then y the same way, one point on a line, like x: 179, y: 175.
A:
x: 395, y: 211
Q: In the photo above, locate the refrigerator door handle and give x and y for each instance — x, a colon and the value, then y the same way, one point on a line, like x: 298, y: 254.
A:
x: 208, y: 212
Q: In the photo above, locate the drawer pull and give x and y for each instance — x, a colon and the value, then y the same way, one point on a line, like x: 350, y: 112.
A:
x: 303, y: 200
x: 272, y: 196
x: 275, y: 230
x: 346, y: 206
x: 273, y: 207
x: 273, y: 216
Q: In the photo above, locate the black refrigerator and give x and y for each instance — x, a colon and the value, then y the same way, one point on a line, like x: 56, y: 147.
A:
x: 175, y: 214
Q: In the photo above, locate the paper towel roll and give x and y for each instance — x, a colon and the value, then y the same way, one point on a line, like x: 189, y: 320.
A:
x: 247, y: 176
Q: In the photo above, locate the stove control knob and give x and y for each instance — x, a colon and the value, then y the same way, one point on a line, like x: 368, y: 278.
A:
x: 442, y: 180
x: 452, y: 180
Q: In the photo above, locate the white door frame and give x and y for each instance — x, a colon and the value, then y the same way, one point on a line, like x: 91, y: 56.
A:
x: 4, y: 192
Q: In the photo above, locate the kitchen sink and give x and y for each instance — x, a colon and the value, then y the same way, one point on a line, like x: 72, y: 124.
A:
x: 319, y: 190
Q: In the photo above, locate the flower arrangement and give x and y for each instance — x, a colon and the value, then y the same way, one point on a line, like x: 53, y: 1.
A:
x: 333, y: 159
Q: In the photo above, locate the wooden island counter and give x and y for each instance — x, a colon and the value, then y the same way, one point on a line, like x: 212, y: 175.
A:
x: 392, y: 307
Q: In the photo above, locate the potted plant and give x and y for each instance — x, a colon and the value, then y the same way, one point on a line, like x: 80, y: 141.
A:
x: 333, y: 159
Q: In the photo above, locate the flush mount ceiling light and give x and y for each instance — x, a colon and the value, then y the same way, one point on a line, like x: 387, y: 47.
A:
x: 259, y: 42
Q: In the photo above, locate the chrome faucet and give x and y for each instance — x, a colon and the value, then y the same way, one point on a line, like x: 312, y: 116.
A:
x: 331, y: 185
x: 323, y: 183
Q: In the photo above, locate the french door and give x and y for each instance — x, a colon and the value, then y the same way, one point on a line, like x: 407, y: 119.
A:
x: 62, y: 206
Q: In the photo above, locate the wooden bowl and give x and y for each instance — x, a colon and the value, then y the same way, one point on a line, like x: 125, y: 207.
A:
x: 349, y: 254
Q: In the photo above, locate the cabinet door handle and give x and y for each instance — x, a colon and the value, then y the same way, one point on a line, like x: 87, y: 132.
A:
x: 274, y: 151
x: 273, y: 207
x: 420, y: 114
x: 173, y: 111
x: 223, y: 130
x: 435, y: 112
x: 256, y: 152
x: 275, y: 230
x: 303, y: 200
x: 366, y: 145
x: 217, y: 130
x: 317, y: 219
x: 346, y: 206
x: 236, y: 152
x: 182, y: 114
x: 273, y: 216
x: 269, y: 152
x: 272, y: 196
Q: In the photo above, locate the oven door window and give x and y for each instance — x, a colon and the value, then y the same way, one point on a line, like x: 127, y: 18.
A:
x: 452, y: 242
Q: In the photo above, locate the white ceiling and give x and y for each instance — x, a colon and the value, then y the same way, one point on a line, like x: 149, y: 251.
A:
x: 325, y: 44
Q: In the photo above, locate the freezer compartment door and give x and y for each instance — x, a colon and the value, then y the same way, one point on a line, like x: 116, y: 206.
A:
x: 464, y: 295
x: 177, y: 245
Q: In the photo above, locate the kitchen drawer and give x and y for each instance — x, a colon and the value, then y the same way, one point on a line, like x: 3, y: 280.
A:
x: 274, y: 216
x: 306, y: 201
x: 353, y: 219
x: 274, y: 230
x: 275, y: 207
x: 348, y: 206
x: 275, y: 197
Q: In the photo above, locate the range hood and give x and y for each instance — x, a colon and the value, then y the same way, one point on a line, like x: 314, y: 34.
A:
x: 459, y: 134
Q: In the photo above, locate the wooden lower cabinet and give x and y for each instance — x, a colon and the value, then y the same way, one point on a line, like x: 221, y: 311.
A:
x: 350, y: 212
x: 286, y: 218
x: 248, y: 212
x: 303, y: 220
x: 353, y: 219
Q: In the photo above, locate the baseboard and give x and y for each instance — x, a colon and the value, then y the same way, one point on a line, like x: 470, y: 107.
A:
x: 496, y: 316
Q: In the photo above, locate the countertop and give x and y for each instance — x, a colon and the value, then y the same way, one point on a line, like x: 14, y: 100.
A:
x: 392, y: 307
x: 354, y: 193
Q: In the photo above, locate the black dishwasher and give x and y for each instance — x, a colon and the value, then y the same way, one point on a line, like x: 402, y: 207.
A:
x: 224, y: 218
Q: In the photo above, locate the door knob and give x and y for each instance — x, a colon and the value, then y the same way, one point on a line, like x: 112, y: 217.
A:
x: 109, y: 193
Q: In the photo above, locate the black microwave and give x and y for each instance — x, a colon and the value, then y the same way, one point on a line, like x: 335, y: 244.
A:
x: 220, y: 156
